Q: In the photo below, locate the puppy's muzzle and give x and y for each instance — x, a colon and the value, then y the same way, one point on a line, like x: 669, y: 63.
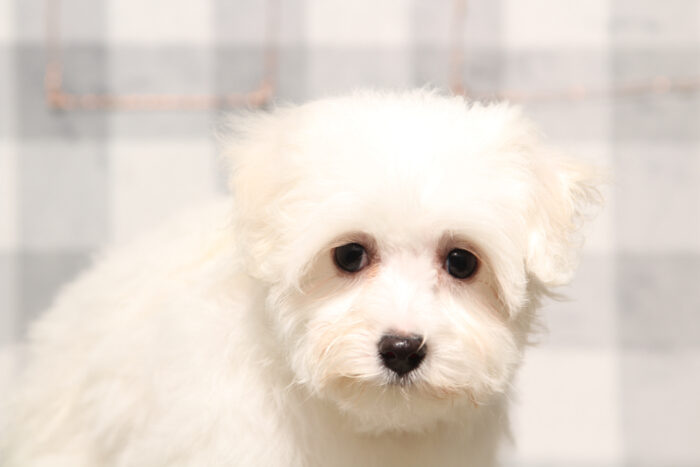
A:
x: 402, y: 354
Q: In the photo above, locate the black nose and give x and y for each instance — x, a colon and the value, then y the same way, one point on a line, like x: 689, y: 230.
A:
x: 401, y: 354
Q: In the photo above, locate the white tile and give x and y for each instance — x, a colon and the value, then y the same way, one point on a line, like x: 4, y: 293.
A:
x: 432, y: 21
x: 160, y: 21
x: 7, y: 17
x: 556, y: 23
x: 241, y: 22
x: 358, y: 23
x: 333, y: 72
x: 153, y: 180
x: 482, y: 24
x: 245, y: 22
x: 31, y: 15
x: 567, y: 404
x: 8, y: 196
x: 78, y: 21
x: 661, y: 410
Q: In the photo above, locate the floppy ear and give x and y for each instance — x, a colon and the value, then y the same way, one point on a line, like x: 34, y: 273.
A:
x: 262, y: 152
x: 566, y: 197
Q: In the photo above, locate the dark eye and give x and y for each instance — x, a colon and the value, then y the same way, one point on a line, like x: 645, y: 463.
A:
x: 461, y: 263
x: 351, y: 257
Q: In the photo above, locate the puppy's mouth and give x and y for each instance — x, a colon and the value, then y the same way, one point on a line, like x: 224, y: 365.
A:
x: 406, y: 380
x: 405, y: 387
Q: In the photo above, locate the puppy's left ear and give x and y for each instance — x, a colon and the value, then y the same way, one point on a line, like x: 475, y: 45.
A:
x: 567, y: 196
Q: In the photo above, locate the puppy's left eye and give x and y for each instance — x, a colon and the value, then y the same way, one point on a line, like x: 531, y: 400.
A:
x: 461, y: 263
x: 351, y: 257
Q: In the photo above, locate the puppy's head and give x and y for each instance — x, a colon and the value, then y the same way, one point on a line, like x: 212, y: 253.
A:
x: 404, y: 241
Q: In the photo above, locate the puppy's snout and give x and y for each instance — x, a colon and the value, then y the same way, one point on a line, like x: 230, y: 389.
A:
x: 401, y: 354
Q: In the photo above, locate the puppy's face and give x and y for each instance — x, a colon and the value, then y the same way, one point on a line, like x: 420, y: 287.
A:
x: 405, y: 241
x: 398, y: 330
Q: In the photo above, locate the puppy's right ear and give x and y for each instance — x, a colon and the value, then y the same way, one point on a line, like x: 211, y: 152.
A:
x: 567, y: 196
x: 249, y: 148
x: 261, y: 154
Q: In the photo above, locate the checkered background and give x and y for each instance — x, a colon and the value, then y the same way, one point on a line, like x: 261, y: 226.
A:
x: 617, y: 379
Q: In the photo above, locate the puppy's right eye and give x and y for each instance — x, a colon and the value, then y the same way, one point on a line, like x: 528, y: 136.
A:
x: 461, y: 264
x: 351, y: 257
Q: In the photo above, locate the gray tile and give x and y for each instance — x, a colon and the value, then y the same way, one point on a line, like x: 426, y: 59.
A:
x: 430, y: 66
x: 482, y: 70
x: 657, y: 197
x: 241, y: 69
x: 649, y: 23
x: 242, y: 36
x: 660, y: 411
x: 41, y: 275
x: 542, y: 81
x: 7, y: 95
x: 78, y: 20
x: 63, y: 195
x: 639, y: 63
x: 8, y: 195
x: 291, y: 79
x: 166, y: 69
x: 662, y: 117
x: 536, y: 71
x: 656, y: 118
x: 658, y: 301
x: 153, y: 124
x: 8, y: 302
x: 341, y: 70
x: 85, y: 72
x: 584, y: 121
x: 587, y: 315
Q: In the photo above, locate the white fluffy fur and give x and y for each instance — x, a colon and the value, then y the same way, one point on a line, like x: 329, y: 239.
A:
x: 229, y: 337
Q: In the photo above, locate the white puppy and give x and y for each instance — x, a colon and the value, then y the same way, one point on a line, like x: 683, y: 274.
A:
x: 363, y: 300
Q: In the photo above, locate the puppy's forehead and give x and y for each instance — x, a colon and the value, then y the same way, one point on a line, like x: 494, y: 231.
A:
x: 414, y: 166
x: 397, y: 133
x: 404, y: 138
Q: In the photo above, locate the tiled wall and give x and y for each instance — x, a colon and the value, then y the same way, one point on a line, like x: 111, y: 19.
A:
x: 615, y: 382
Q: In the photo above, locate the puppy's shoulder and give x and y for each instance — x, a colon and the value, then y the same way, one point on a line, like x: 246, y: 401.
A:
x: 130, y: 281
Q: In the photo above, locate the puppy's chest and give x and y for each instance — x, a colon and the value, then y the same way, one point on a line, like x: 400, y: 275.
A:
x: 339, y: 449
x: 323, y: 440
